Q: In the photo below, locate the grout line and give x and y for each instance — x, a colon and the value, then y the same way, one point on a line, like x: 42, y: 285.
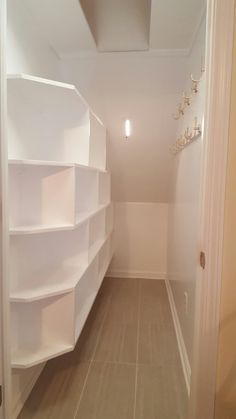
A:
x: 128, y: 364
x: 92, y: 360
x: 137, y: 351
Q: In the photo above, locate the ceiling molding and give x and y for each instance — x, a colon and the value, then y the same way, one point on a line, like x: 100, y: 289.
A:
x: 147, y: 53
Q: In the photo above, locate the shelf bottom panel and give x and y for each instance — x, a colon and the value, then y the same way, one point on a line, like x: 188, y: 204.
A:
x: 41, y: 228
x: 59, y: 281
x: 28, y: 358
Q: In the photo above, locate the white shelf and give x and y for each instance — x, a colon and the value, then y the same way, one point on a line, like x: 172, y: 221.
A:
x: 28, y: 358
x: 81, y: 219
x: 42, y: 330
x: 49, y: 120
x: 51, y: 84
x: 104, y: 182
x: 85, y: 216
x: 85, y: 293
x: 19, y: 162
x: 40, y: 196
x: 56, y: 281
x: 25, y: 230
x: 58, y: 186
x: 59, y: 280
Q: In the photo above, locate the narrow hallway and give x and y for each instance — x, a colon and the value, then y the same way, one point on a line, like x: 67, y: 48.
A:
x: 126, y: 363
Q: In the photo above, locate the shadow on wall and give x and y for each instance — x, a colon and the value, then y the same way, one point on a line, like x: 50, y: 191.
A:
x: 121, y: 236
x: 225, y: 406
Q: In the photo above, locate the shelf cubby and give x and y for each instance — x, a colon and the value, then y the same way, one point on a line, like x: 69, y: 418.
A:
x: 104, y: 259
x: 40, y: 197
x: 97, y: 148
x: 47, y: 264
x: 97, y: 233
x: 104, y: 182
x: 49, y: 120
x: 85, y: 294
x: 86, y: 193
x: 40, y: 332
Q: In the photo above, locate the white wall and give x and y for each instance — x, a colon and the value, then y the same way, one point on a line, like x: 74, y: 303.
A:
x: 143, y: 87
x: 27, y: 52
x: 140, y: 240
x: 183, y: 249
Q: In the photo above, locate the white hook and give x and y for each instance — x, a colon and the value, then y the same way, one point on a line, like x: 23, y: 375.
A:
x: 195, y: 84
x: 187, y: 99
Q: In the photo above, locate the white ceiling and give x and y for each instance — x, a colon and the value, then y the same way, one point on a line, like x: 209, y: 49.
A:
x: 116, y: 25
x: 121, y: 25
x: 62, y: 24
x: 174, y: 23
x: 126, y: 25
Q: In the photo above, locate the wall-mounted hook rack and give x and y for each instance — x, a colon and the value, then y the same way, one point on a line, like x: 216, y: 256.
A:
x: 197, y: 127
x: 180, y: 111
x: 187, y: 99
x: 187, y: 138
x: 195, y: 84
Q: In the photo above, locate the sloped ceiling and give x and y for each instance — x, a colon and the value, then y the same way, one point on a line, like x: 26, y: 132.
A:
x: 122, y: 25
x: 63, y: 25
x: 131, y: 25
x: 174, y: 23
x: 72, y: 26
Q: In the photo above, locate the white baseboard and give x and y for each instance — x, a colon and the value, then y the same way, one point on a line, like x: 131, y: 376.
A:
x: 136, y: 274
x: 181, y: 344
x: 24, y: 394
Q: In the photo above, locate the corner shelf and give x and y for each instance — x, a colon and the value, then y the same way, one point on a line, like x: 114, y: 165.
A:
x: 78, y: 301
x: 59, y: 280
x: 19, y: 162
x: 61, y: 216
x: 27, y: 358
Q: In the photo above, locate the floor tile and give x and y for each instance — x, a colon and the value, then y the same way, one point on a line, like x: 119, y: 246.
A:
x: 124, y: 301
x: 57, y: 391
x: 97, y: 380
x: 154, y: 305
x: 160, y: 393
x: 117, y: 343
x: 109, y: 392
x: 157, y: 344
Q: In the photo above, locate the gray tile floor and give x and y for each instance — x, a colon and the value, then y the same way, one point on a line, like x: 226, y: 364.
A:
x: 125, y: 366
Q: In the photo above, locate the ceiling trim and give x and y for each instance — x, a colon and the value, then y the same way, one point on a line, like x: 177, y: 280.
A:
x: 184, y: 52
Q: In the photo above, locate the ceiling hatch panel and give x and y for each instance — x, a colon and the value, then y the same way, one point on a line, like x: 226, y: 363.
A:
x: 122, y: 25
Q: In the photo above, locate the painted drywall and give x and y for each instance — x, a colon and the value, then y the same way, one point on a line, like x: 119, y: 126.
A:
x: 173, y: 22
x: 226, y: 369
x: 140, y: 240
x: 184, y: 207
x: 143, y: 87
x: 27, y: 52
x: 63, y: 25
x: 119, y: 26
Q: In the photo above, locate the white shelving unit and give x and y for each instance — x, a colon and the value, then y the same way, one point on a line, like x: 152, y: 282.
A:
x: 61, y: 216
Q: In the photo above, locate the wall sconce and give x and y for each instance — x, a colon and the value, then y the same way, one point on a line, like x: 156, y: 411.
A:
x: 127, y: 129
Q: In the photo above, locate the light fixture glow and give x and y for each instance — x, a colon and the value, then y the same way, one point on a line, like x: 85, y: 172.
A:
x: 127, y: 128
